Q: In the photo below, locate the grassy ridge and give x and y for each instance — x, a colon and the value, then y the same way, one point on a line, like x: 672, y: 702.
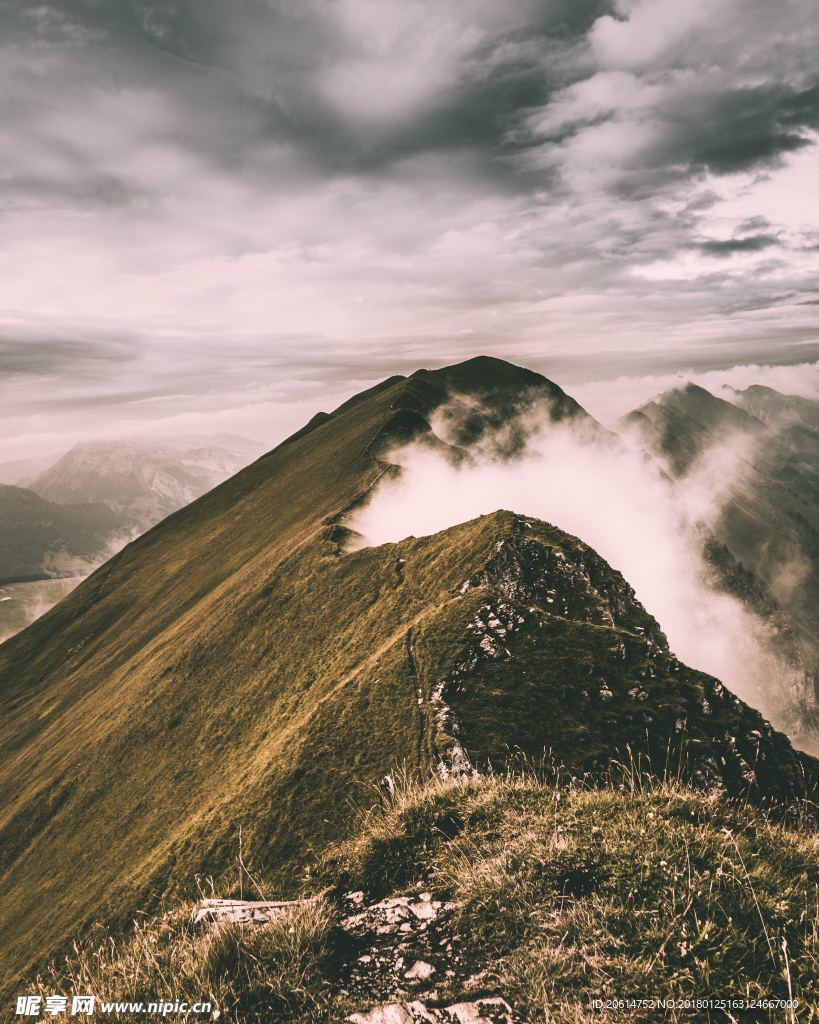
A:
x: 234, y: 668
x: 565, y: 894
x: 139, y: 714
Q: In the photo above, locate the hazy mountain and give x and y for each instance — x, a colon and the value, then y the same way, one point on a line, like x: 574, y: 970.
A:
x: 683, y: 423
x: 85, y: 504
x: 774, y: 408
x: 20, y: 472
x: 39, y: 538
x: 143, y: 481
x: 770, y: 525
x: 236, y: 665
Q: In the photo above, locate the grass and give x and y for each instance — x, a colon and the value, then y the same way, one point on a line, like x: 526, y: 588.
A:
x: 275, y: 972
x: 637, y: 889
x: 568, y: 894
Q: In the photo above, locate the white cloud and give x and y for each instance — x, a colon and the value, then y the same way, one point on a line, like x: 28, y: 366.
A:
x: 624, y: 508
x: 645, y: 30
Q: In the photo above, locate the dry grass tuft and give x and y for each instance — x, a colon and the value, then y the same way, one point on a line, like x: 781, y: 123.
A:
x: 269, y: 973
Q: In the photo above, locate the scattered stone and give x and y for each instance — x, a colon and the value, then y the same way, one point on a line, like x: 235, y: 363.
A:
x: 248, y: 912
x: 419, y: 971
x: 482, y: 1011
x: 392, y: 1013
x: 421, y: 1013
x: 425, y: 911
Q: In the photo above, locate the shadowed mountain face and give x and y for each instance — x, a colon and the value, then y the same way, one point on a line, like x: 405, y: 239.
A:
x: 37, y: 535
x: 236, y: 667
x: 489, y: 400
x: 770, y: 525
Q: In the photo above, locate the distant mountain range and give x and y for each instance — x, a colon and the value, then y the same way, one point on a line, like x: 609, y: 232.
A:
x: 143, y: 481
x: 238, y: 665
x: 77, y: 509
x: 20, y: 472
x: 769, y: 526
x: 36, y: 535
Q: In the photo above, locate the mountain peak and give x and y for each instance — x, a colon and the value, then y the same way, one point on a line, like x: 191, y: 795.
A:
x: 681, y: 423
x: 503, y: 391
x: 701, y: 404
x: 490, y: 377
x: 485, y: 373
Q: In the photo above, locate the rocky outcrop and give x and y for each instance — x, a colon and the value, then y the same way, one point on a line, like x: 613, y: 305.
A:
x: 246, y: 912
x: 401, y: 958
x: 572, y: 582
x: 547, y: 596
x: 479, y: 1011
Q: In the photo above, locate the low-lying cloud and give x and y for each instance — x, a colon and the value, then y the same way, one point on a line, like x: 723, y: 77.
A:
x: 622, y: 504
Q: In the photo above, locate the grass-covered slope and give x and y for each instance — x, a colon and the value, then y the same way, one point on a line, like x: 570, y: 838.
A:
x: 567, y: 894
x: 235, y: 668
x: 555, y: 895
x: 144, y: 717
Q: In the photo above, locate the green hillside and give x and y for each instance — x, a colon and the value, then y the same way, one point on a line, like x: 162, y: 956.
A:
x: 235, y: 667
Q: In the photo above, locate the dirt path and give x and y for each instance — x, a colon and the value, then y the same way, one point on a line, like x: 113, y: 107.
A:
x: 426, y: 725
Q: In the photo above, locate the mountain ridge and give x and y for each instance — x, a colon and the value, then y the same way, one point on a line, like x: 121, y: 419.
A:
x: 236, y: 666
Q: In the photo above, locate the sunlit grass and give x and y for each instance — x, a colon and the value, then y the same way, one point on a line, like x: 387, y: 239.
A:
x: 566, y: 893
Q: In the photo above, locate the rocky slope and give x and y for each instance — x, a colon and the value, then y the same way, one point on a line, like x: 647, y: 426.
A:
x: 237, y: 666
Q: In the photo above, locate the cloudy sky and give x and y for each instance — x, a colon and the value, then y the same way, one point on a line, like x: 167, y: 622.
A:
x: 222, y: 215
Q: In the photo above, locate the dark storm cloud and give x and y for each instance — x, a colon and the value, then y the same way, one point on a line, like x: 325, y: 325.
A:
x: 262, y: 68
x: 236, y: 78
x: 750, y: 243
x: 739, y: 129
x: 341, y: 189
